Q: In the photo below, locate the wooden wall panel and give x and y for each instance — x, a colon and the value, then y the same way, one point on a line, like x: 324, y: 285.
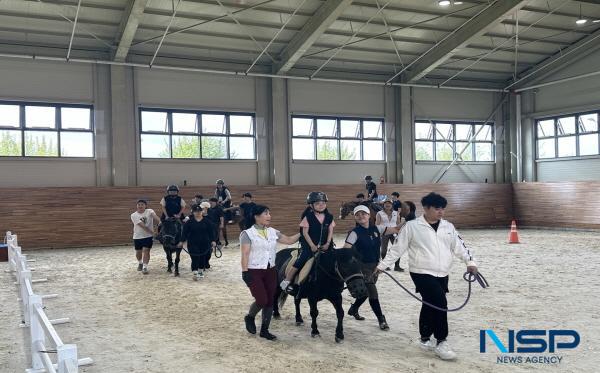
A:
x: 558, y: 205
x: 92, y: 216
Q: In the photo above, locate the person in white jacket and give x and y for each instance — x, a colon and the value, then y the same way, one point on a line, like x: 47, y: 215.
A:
x: 431, y: 243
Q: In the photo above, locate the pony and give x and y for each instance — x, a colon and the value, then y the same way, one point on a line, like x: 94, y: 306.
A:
x: 170, y: 236
x: 331, y: 270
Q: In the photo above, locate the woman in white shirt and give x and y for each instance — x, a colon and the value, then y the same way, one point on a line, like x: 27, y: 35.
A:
x: 258, y: 244
x: 387, y: 221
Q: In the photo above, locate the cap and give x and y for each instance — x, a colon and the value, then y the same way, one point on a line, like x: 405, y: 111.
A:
x: 362, y: 208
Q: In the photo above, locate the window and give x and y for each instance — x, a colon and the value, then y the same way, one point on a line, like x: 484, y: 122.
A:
x: 568, y: 136
x: 442, y: 141
x: 337, y: 139
x: 46, y: 130
x: 184, y: 134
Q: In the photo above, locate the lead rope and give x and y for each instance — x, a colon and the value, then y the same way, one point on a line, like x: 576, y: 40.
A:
x: 467, y: 276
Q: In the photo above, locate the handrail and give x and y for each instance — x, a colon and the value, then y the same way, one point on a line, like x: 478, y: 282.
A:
x: 35, y: 318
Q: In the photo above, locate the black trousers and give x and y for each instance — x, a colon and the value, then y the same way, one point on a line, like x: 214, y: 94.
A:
x: 433, y: 290
x: 199, y: 261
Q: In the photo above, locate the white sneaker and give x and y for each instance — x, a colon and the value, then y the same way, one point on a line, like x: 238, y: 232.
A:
x: 195, y: 275
x: 200, y: 275
x: 145, y: 270
x: 443, y: 351
x: 284, y: 284
x: 428, y: 345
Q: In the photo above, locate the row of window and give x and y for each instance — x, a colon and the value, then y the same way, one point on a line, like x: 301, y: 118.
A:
x: 60, y: 130
x: 443, y: 141
x: 196, y: 135
x: 43, y: 130
x: 337, y: 139
x: 568, y: 136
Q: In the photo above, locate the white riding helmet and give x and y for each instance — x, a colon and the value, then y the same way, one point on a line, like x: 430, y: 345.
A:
x: 362, y: 208
x: 205, y: 205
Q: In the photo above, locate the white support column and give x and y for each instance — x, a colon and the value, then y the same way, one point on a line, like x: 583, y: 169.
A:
x: 391, y: 145
x: 518, y: 134
x: 36, y: 332
x: 24, y: 277
x: 406, y: 134
x: 67, y: 358
x: 281, y: 138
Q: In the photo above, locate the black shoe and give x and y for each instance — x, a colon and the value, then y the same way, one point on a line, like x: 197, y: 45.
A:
x: 383, y: 325
x: 140, y: 266
x: 354, y: 313
x: 264, y: 333
x: 398, y: 269
x: 250, y: 325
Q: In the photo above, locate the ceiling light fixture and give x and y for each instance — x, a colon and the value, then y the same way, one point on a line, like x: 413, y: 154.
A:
x: 444, y: 3
x: 581, y: 20
x: 596, y: 21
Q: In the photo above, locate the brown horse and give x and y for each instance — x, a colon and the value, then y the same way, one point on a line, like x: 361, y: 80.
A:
x: 346, y: 209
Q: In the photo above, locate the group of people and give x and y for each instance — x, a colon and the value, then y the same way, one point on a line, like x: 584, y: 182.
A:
x: 200, y: 229
x: 431, y: 243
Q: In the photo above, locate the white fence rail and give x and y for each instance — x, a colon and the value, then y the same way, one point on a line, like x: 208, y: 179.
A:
x: 40, y: 326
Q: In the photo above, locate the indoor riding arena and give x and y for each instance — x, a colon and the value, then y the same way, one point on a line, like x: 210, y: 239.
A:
x: 299, y: 186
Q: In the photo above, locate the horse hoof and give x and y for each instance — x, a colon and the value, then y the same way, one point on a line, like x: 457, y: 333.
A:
x: 176, y: 274
x: 277, y: 316
x: 315, y: 334
x: 339, y: 340
x: 169, y: 270
x: 299, y: 323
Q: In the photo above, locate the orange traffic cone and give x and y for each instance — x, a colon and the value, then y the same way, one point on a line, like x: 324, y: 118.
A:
x: 513, y: 236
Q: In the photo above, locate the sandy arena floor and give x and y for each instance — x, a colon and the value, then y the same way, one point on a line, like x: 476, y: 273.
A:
x: 128, y: 322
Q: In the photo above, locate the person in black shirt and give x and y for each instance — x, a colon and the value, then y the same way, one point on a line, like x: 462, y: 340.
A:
x: 172, y: 203
x: 371, y: 188
x: 396, y: 203
x: 223, y: 196
x: 216, y: 216
x: 365, y: 239
x: 198, y: 232
x: 247, y: 207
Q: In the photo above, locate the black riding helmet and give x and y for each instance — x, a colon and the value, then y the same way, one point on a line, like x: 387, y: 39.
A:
x: 172, y: 188
x: 314, y: 197
x: 220, y: 181
x: 368, y: 178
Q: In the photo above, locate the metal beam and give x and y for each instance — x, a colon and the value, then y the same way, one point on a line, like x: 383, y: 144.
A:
x: 315, y: 27
x: 460, y: 38
x: 73, y: 31
x: 560, y: 60
x: 129, y: 24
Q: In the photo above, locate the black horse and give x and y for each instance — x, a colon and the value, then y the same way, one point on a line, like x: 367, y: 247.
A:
x: 331, y: 269
x: 170, y: 236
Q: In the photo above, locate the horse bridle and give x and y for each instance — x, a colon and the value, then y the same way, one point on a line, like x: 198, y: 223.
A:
x: 337, y: 271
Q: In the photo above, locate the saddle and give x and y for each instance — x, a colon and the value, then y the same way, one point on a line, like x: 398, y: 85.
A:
x: 304, y: 271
